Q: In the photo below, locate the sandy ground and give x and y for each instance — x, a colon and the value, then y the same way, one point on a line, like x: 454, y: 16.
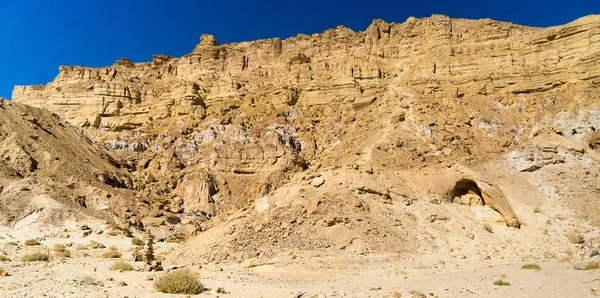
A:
x: 367, y: 276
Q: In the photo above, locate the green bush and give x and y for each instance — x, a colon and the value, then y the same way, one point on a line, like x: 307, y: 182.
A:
x: 502, y: 283
x: 34, y: 257
x: 121, y: 266
x: 180, y: 281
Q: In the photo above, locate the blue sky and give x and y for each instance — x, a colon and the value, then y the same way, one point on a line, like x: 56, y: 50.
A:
x: 36, y: 36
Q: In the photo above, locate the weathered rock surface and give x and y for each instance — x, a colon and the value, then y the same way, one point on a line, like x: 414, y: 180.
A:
x: 230, y: 136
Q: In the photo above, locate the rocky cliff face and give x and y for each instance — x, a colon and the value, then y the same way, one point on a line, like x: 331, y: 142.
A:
x: 225, y: 126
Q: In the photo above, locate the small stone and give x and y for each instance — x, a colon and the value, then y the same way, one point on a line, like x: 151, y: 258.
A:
x: 318, y: 181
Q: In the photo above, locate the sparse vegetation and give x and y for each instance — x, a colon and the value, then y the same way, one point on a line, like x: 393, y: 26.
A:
x: 62, y: 254
x: 501, y: 282
x: 13, y: 243
x: 81, y: 247
x: 121, y: 266
x: 60, y: 251
x: 4, y: 258
x: 112, y: 247
x: 137, y: 241
x: 537, y: 210
x: 592, y: 266
x: 111, y: 254
x: 531, y: 267
x: 180, y: 281
x: 488, y: 228
x: 58, y: 247
x: 586, y: 266
x: 34, y: 257
x: 31, y: 242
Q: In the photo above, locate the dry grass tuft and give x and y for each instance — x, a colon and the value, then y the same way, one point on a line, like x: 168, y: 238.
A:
x: 531, y: 267
x: 111, y: 254
x: 502, y: 283
x: 121, y: 266
x: 31, y: 242
x: 586, y: 266
x: 34, y: 257
x: 180, y: 281
x: 60, y: 251
x: 137, y: 241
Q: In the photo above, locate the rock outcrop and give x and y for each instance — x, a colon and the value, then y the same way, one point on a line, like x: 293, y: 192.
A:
x: 226, y: 127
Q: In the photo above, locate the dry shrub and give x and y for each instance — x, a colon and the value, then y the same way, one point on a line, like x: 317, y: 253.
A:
x: 531, y: 267
x: 31, y: 242
x: 62, y: 254
x: 586, y: 266
x: 60, y: 251
x: 592, y: 266
x: 180, y: 281
x: 501, y: 282
x: 111, y: 254
x: 4, y: 258
x: 137, y: 241
x: 34, y: 257
x: 58, y: 247
x: 121, y: 266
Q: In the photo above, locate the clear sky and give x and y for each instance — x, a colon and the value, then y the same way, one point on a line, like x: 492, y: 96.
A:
x: 36, y: 36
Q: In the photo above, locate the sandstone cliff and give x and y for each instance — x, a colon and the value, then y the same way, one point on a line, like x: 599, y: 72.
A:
x: 234, y: 129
